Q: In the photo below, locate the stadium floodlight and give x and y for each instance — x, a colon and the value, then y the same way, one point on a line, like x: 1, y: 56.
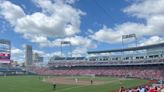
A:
x: 127, y: 37
x: 66, y: 43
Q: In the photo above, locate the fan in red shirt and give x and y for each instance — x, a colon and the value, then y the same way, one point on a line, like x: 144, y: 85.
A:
x: 152, y: 90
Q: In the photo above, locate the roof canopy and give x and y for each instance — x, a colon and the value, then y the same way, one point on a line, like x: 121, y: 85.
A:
x: 128, y: 49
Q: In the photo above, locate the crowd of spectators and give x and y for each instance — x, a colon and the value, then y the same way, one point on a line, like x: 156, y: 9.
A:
x: 133, y: 72
x: 132, y: 69
x: 145, y: 88
x: 145, y: 73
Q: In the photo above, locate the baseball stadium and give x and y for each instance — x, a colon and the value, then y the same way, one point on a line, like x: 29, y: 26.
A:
x: 126, y: 68
x: 81, y: 45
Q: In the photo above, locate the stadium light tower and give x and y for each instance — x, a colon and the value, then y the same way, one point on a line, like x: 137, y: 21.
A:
x: 66, y: 43
x: 128, y: 37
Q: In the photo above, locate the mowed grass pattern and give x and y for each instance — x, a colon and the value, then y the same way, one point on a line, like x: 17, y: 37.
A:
x: 34, y: 84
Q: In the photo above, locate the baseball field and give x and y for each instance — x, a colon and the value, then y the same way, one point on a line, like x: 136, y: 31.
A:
x: 65, y: 84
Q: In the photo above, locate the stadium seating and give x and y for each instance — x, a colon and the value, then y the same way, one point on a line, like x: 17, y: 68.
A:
x: 94, y: 63
x: 145, y: 73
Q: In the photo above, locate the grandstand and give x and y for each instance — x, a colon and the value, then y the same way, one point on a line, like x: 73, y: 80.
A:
x: 151, y: 54
x: 143, y: 62
x: 146, y: 62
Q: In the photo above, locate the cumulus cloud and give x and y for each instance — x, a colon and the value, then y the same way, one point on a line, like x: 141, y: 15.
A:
x: 17, y: 54
x: 145, y: 8
x: 107, y: 35
x: 150, y: 10
x: 47, y: 55
x: 16, y: 51
x: 113, y: 35
x: 57, y: 19
x: 74, y: 40
x: 155, y: 25
x: 79, y: 52
x: 77, y: 41
x: 57, y: 53
x: 11, y: 12
x: 151, y: 40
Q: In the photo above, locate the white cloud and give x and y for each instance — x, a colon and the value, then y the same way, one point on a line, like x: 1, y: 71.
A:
x: 146, y: 8
x: 151, y: 40
x: 113, y: 35
x: 16, y: 51
x: 153, y: 13
x: 11, y: 12
x: 70, y: 1
x: 81, y: 45
x: 17, y: 54
x: 150, y: 10
x: 57, y: 19
x: 79, y: 52
x: 47, y: 55
x: 41, y: 40
x: 76, y: 41
x: 155, y: 25
x: 106, y: 35
x: 57, y: 53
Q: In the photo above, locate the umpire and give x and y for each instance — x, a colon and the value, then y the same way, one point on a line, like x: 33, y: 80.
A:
x: 54, y: 86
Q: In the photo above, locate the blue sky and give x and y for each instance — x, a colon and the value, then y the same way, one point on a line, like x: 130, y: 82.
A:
x: 87, y: 24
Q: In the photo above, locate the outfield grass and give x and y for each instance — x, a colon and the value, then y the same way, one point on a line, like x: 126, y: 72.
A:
x: 34, y: 84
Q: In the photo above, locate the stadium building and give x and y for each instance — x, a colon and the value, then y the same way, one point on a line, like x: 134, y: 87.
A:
x: 5, y: 52
x: 37, y: 58
x: 28, y: 55
x: 5, y: 60
x: 138, y: 62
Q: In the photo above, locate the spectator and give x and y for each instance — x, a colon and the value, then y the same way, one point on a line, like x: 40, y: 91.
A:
x: 122, y: 89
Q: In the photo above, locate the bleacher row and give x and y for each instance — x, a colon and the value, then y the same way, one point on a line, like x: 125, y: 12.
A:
x: 119, y: 72
x: 101, y: 63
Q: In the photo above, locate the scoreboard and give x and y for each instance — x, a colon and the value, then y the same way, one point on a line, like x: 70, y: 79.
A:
x: 5, y: 51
